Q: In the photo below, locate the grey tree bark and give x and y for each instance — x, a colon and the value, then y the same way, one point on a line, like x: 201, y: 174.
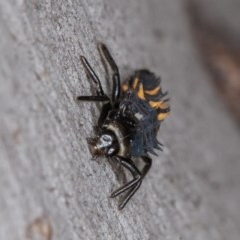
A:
x: 49, y: 187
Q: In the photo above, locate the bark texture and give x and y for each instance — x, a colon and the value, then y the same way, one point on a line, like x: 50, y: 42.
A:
x: 49, y: 187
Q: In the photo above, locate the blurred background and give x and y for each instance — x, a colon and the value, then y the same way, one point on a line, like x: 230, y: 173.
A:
x: 216, y: 32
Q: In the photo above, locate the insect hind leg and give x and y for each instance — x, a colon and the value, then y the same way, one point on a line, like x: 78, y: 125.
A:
x: 116, y: 76
x: 91, y: 73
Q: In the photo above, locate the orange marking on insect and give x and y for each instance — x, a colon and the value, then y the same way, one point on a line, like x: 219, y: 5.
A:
x: 164, y: 105
x: 140, y: 92
x: 159, y: 104
x: 154, y: 91
x: 135, y: 83
x: 155, y: 104
x: 162, y: 116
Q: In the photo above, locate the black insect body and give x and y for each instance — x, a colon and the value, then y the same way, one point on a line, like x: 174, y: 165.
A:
x: 129, y: 121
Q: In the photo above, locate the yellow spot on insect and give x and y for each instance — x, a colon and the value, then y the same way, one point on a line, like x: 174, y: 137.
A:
x: 141, y: 92
x: 155, y: 104
x: 159, y: 104
x: 162, y: 116
x: 135, y: 83
x: 154, y: 91
x: 164, y: 105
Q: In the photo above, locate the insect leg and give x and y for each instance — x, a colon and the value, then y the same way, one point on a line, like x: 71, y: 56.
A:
x: 93, y: 98
x: 129, y: 195
x: 125, y: 187
x: 128, y: 164
x: 137, y: 177
x: 115, y: 77
x: 104, y: 112
x: 147, y: 166
x: 133, y: 184
x: 93, y: 75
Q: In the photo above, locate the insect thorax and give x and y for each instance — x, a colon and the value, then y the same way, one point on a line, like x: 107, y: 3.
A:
x: 135, y: 125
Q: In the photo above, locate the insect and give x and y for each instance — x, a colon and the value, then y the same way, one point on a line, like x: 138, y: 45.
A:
x: 129, y: 120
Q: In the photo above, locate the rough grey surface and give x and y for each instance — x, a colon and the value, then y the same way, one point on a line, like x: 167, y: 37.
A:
x: 49, y: 187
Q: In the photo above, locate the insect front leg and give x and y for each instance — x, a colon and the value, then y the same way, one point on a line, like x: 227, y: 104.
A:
x: 116, y: 90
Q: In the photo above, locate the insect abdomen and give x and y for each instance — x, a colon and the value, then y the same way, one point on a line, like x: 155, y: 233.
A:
x: 143, y: 131
x: 148, y: 88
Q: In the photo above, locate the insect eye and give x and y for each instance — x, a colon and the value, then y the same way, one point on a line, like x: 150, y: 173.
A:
x: 106, y: 138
